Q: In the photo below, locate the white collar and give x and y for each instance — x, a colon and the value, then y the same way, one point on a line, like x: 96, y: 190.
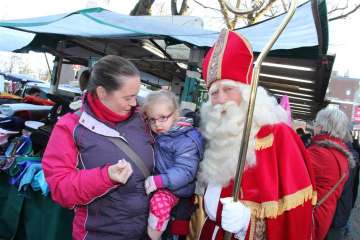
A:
x: 98, y: 127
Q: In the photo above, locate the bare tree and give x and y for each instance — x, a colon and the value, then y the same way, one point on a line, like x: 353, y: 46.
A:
x: 342, y: 10
x: 204, y: 6
x: 14, y: 63
x: 25, y: 68
x: 271, y: 8
x: 183, y: 9
x: 143, y: 7
x: 225, y: 14
x: 251, y: 17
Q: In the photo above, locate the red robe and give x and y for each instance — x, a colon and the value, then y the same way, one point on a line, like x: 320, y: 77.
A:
x: 278, y: 189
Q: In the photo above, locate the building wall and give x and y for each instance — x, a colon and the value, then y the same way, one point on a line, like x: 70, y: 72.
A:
x: 345, y: 89
x: 67, y: 74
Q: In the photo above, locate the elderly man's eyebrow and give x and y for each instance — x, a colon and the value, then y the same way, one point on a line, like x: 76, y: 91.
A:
x: 131, y: 95
x: 229, y: 84
x: 213, y: 88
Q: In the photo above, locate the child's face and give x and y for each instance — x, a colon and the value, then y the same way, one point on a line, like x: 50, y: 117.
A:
x: 161, y: 117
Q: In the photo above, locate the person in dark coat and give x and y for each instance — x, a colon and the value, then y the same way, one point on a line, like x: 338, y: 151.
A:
x: 305, y: 137
x: 339, y: 226
x: 178, y: 151
x: 357, y: 170
x: 194, y: 115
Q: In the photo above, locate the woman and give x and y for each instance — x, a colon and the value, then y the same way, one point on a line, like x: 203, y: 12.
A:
x: 330, y: 158
x: 85, y: 168
x: 340, y: 224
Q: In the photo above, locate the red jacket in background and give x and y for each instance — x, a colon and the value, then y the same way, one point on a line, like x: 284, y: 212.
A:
x: 38, y: 101
x: 330, y: 160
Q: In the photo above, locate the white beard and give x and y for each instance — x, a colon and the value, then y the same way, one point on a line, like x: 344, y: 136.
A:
x: 223, y: 125
x: 223, y: 128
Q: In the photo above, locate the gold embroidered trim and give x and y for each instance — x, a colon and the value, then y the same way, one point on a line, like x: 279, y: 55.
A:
x: 257, y: 229
x: 260, y: 229
x: 214, y: 68
x: 252, y: 228
x: 265, y: 142
x: 272, y: 209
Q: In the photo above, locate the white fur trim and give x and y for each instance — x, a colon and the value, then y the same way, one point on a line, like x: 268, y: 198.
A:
x: 211, y: 200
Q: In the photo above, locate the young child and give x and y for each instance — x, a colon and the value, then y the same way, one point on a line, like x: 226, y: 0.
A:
x: 178, y: 150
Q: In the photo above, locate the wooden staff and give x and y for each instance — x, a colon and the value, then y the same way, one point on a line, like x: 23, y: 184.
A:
x: 250, y: 110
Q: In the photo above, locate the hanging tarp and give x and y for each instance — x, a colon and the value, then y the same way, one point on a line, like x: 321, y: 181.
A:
x: 101, y: 23
x: 11, y: 40
x: 297, y: 65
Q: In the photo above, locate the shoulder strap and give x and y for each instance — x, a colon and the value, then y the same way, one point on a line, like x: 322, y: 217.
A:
x: 332, y: 190
x: 323, y: 199
x: 134, y: 157
x: 131, y: 154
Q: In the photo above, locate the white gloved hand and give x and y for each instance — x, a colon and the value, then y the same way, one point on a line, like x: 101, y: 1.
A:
x: 235, y: 217
x: 150, y: 185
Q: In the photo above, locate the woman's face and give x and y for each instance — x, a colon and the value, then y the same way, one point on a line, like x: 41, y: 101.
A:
x: 121, y: 100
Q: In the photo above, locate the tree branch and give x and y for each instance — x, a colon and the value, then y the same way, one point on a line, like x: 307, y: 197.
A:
x: 174, y: 10
x: 346, y: 14
x: 233, y: 22
x: 184, y: 8
x: 225, y: 13
x: 261, y: 12
x: 284, y: 5
x: 202, y: 5
x: 337, y: 8
x: 143, y: 7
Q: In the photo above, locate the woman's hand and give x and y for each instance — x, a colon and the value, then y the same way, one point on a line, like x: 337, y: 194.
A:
x: 120, y: 172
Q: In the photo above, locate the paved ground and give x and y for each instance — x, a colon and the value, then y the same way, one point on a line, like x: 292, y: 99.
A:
x: 355, y: 221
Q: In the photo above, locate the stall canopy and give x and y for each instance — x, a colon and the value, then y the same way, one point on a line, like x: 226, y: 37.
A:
x: 297, y: 65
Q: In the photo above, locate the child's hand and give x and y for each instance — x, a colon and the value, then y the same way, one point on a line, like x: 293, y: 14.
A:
x: 150, y: 185
x: 120, y: 172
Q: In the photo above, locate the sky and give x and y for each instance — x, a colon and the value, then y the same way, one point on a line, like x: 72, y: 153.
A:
x: 344, y: 39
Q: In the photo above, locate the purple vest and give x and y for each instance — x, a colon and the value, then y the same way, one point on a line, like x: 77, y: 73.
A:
x: 122, y: 212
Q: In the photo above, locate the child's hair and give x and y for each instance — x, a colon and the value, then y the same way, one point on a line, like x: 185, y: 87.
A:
x: 161, y: 96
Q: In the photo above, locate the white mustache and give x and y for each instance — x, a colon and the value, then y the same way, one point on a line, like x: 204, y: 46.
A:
x: 223, y: 120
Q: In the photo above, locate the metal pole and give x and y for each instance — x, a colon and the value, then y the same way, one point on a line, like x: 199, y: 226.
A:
x: 55, y: 78
x: 48, y: 65
x: 251, y: 105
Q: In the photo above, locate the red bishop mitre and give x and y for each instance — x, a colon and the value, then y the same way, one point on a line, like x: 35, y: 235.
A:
x: 230, y: 58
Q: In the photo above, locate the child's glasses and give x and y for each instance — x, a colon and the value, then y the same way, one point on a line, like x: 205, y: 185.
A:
x: 152, y: 121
